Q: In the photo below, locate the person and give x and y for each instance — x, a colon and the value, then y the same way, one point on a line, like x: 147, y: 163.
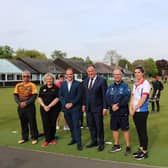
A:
x: 49, y: 108
x: 71, y: 99
x: 157, y: 87
x: 95, y: 106
x: 117, y: 98
x: 60, y: 81
x: 83, y: 114
x: 165, y: 79
x: 58, y: 84
x: 139, y: 110
x: 25, y: 94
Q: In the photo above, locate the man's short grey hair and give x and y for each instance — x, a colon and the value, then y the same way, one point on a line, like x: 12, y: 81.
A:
x: 26, y: 72
x: 119, y: 69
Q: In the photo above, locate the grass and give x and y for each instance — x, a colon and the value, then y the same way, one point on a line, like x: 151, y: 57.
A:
x: 157, y: 129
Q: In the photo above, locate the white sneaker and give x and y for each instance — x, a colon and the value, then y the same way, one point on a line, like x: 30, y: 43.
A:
x: 57, y: 127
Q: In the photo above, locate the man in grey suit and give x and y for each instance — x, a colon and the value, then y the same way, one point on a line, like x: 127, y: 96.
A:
x: 95, y: 106
x: 70, y: 95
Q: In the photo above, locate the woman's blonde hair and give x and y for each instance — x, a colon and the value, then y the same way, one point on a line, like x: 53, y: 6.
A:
x: 48, y: 75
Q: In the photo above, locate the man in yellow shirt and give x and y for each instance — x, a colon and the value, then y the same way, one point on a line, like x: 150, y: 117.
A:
x: 25, y: 94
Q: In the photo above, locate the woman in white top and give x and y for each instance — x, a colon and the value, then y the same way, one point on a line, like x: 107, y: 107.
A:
x: 139, y: 111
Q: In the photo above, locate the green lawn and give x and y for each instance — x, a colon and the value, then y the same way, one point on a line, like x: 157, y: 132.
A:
x: 157, y: 127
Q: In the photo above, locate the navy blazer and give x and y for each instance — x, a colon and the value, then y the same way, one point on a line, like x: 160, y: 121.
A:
x: 94, y: 99
x: 73, y: 96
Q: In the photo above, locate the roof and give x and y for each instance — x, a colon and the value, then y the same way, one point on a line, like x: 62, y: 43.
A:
x: 77, y: 66
x: 7, y: 67
x: 23, y: 66
x: 37, y: 65
x: 103, y: 68
x: 81, y: 67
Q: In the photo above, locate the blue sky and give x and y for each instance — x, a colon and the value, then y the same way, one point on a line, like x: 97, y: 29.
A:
x: 136, y: 29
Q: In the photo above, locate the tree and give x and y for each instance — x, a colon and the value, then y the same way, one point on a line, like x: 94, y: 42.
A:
x: 6, y: 52
x: 124, y: 63
x: 22, y: 53
x: 150, y: 67
x: 88, y: 60
x: 58, y: 54
x: 77, y: 59
x: 137, y: 63
x: 162, y: 66
x: 112, y: 57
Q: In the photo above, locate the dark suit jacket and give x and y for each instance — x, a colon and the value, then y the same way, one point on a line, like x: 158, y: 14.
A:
x: 73, y: 96
x: 94, y: 99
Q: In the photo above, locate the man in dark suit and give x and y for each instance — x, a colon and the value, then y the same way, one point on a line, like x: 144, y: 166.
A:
x: 71, y: 99
x: 95, y: 106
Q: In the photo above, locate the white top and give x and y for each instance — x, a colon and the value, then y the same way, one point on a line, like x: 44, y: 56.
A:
x: 138, y: 90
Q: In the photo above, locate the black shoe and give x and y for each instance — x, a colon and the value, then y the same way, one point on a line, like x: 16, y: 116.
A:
x: 141, y: 156
x: 72, y: 142
x: 41, y: 134
x: 115, y: 148
x: 91, y: 145
x: 100, y: 148
x: 127, y: 151
x: 137, y: 152
x: 79, y: 147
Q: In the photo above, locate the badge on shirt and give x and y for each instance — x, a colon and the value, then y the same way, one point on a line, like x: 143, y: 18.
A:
x: 121, y: 91
x: 112, y: 91
x: 44, y: 90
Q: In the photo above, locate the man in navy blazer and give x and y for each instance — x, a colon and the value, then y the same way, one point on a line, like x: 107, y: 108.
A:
x: 70, y: 95
x: 95, y: 106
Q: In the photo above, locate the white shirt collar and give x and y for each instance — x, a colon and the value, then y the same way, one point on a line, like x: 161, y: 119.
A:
x: 69, y: 83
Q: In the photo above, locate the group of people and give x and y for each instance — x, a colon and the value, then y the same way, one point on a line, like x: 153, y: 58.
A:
x: 92, y: 96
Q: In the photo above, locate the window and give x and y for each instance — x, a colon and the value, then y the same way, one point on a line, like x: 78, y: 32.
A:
x: 10, y: 76
x: 2, y: 76
x: 18, y: 77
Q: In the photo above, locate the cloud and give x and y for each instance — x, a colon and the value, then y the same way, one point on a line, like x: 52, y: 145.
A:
x: 82, y: 28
